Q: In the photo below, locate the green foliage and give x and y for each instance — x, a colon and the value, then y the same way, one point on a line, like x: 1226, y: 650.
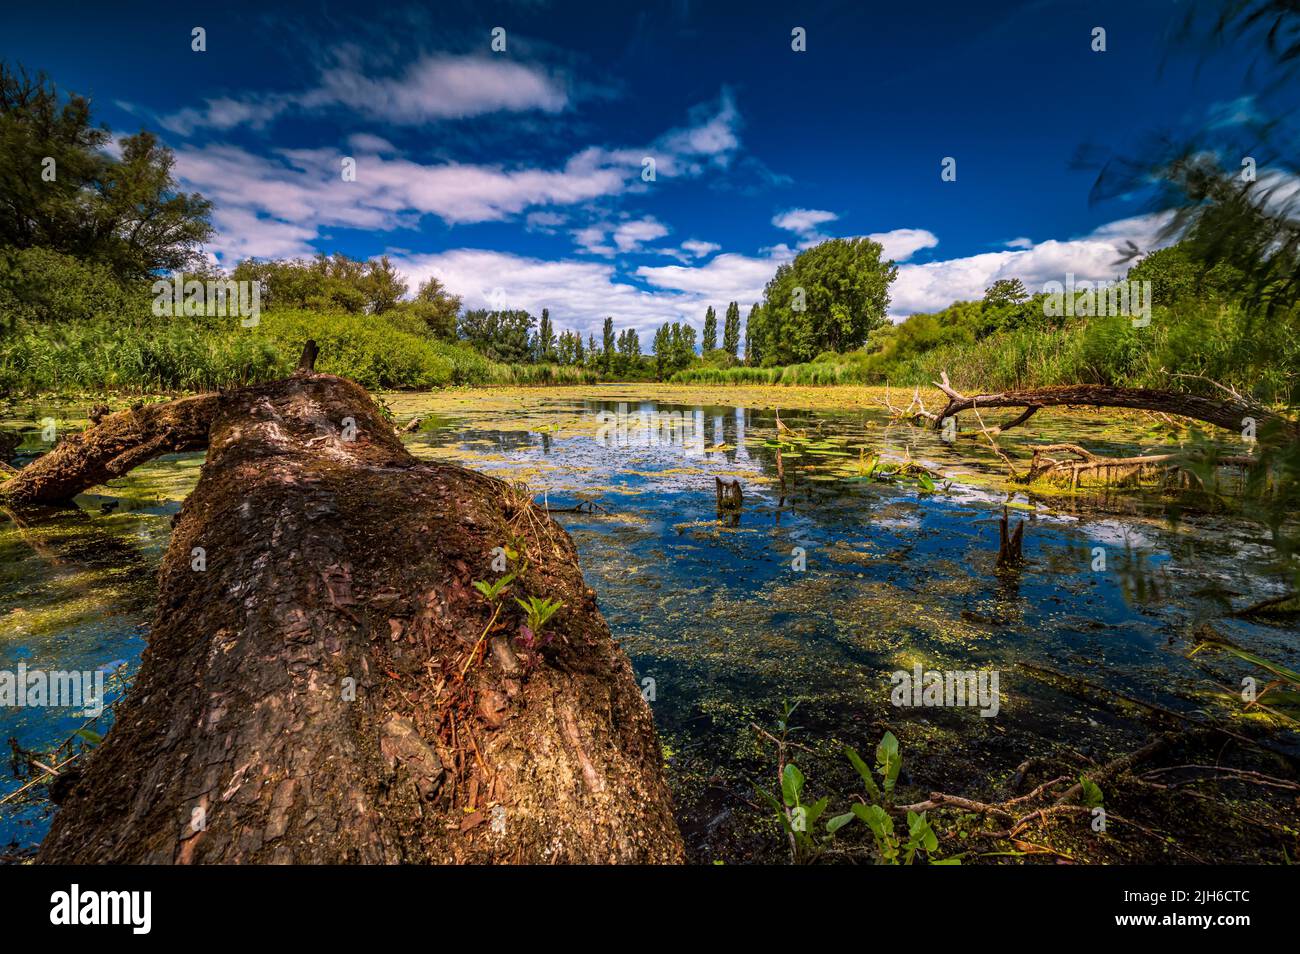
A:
x: 436, y: 307
x: 501, y: 335
x: 1004, y: 292
x: 121, y: 212
x: 538, y: 611
x: 493, y: 591
x: 709, y: 340
x: 830, y: 298
x: 544, y: 343
x: 891, y: 848
x: 674, y: 346
x: 42, y: 285
x: 607, y: 352
x: 798, y: 817
x: 627, y: 355
x: 731, y: 331
x: 336, y: 283
x: 134, y: 351
x: 1207, y: 334
x: 1092, y: 797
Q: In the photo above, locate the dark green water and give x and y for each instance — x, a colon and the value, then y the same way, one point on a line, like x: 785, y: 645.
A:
x: 824, y: 586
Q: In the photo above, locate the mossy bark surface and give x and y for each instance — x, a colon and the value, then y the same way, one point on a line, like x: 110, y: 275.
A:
x: 330, y: 688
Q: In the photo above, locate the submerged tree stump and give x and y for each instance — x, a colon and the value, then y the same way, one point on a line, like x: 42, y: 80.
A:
x: 1010, y: 542
x: 323, y: 684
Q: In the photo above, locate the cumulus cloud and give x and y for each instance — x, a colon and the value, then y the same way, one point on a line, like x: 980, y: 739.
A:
x: 805, y: 223
x: 579, y: 294
x: 304, y: 187
x: 934, y: 285
x: 626, y: 236
x: 724, y: 278
x: 902, y: 244
x: 699, y: 249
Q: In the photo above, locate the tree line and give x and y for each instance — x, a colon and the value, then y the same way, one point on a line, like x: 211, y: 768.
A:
x: 84, y: 230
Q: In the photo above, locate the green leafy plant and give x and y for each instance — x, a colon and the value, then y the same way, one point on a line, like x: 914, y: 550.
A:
x: 1092, y: 797
x: 492, y: 592
x: 531, y: 637
x: 891, y: 847
x: 538, y: 611
x: 797, y: 819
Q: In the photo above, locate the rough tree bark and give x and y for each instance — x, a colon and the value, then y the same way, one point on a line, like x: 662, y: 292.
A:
x: 333, y: 558
x: 1229, y: 413
x: 112, y: 447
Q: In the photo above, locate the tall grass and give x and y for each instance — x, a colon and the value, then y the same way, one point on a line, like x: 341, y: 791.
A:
x: 1197, y: 341
x: 140, y: 353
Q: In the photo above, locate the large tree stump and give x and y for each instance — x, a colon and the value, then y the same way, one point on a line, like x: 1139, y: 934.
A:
x: 332, y: 559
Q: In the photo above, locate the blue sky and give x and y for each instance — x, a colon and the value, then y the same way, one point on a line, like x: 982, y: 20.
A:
x: 516, y: 176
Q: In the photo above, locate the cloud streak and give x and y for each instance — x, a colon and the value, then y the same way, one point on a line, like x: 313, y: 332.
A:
x: 432, y: 89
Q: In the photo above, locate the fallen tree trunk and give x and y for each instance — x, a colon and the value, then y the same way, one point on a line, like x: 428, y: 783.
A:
x: 1120, y: 468
x: 324, y: 685
x: 1230, y: 413
x: 112, y: 447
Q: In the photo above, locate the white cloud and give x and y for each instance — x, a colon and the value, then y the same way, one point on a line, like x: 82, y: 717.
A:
x: 248, y: 236
x: 546, y: 222
x: 713, y: 135
x: 371, y: 144
x: 303, y: 188
x: 805, y: 223
x: 725, y: 278
x: 592, y: 238
x: 700, y: 249
x: 934, y: 285
x: 442, y: 87
x: 631, y: 235
x: 1021, y: 242
x: 902, y: 244
x: 579, y: 294
x: 628, y: 236
x: 433, y: 88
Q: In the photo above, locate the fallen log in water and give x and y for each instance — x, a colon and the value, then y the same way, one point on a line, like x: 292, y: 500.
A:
x: 1231, y: 412
x: 313, y: 690
x: 1118, y: 469
x: 115, y: 444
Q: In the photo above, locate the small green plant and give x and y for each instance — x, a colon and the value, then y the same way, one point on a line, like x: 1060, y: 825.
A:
x: 531, y: 639
x: 492, y: 592
x: 891, y: 848
x: 796, y: 817
x: 538, y: 611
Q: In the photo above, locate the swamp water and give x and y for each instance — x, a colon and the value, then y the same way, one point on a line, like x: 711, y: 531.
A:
x: 826, y: 584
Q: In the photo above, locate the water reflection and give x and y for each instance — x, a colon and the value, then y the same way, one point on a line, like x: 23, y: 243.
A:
x: 820, y: 585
